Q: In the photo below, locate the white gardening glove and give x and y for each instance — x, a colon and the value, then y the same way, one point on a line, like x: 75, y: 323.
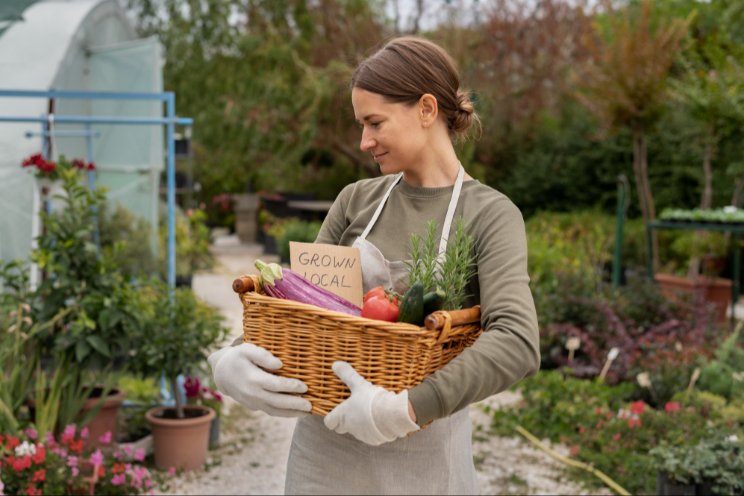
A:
x: 237, y: 373
x: 371, y: 414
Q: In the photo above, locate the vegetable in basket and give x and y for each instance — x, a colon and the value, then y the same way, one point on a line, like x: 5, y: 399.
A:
x: 380, y: 304
x: 286, y: 284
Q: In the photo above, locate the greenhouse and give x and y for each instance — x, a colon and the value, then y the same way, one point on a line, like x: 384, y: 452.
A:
x: 88, y: 45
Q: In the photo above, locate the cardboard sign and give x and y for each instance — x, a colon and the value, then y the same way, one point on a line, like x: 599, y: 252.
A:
x: 335, y: 268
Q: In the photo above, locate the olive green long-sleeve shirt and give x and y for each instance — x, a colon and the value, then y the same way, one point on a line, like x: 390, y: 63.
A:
x: 508, y: 350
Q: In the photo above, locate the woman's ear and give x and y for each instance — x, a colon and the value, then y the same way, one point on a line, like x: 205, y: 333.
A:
x: 428, y: 109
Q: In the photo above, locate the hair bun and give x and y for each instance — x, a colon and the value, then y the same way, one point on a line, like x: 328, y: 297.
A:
x: 462, y: 120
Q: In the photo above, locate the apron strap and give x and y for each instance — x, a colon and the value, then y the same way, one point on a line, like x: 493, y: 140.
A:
x: 451, y: 212
x: 379, y: 208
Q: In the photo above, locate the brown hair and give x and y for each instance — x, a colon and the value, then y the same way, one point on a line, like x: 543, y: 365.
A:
x: 408, y: 67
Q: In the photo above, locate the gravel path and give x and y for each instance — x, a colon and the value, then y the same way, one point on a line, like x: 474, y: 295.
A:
x: 254, y: 446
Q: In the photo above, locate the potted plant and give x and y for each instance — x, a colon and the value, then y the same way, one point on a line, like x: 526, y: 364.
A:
x: 704, y: 255
x: 82, y: 286
x: 180, y: 330
x: 712, y: 466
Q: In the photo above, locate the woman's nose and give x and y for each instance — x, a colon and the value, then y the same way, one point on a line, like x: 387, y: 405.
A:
x: 367, y: 142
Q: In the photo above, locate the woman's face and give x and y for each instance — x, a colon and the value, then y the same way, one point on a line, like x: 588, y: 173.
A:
x: 391, y: 132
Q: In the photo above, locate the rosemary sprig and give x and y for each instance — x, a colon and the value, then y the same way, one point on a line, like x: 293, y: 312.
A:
x: 453, y: 273
x: 423, y: 266
x: 458, y: 267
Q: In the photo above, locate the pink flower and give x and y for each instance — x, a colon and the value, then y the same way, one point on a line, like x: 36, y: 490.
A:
x: 105, y: 438
x: 616, y: 436
x: 84, y: 433
x: 75, y: 471
x: 68, y: 434
x: 118, y: 480
x: 97, y: 458
x: 172, y: 471
x: 72, y: 461
x: 148, y: 483
x: 50, y: 441
x: 672, y: 406
x: 31, y: 433
x: 637, y: 407
x: 139, y: 455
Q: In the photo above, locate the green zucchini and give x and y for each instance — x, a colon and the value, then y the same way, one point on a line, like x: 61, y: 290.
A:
x: 433, y: 301
x: 412, y: 306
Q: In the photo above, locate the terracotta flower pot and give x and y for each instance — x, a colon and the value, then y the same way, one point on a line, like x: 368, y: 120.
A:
x: 714, y: 290
x: 105, y: 420
x: 180, y: 443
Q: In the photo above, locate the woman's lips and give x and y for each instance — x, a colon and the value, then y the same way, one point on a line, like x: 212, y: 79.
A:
x: 378, y: 156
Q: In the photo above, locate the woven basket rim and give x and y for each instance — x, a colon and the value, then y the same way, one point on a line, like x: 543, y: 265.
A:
x: 400, y: 328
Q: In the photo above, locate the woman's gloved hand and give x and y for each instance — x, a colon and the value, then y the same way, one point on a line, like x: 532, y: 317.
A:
x: 237, y: 373
x: 371, y: 414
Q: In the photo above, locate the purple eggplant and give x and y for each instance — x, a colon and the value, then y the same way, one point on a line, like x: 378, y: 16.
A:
x: 289, y: 285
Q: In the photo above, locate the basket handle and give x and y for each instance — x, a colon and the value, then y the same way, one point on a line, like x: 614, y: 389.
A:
x: 243, y: 284
x: 436, y: 320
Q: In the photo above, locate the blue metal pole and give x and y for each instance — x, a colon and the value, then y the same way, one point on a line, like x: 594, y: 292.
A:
x: 92, y: 183
x: 82, y: 119
x: 171, y: 178
x: 84, y: 95
x: 89, y: 156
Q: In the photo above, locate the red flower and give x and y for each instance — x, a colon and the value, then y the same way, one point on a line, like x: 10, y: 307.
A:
x: 101, y: 471
x: 574, y: 450
x: 616, y: 436
x: 91, y: 166
x: 21, y: 463
x: 191, y: 386
x: 33, y: 491
x: 12, y: 442
x: 582, y: 429
x: 634, y: 422
x: 79, y: 164
x: 637, y: 407
x: 118, y: 468
x: 40, y: 455
x: 39, y: 475
x: 77, y: 446
x: 672, y: 406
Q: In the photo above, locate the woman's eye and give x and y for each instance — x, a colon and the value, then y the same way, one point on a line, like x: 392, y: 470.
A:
x: 375, y: 125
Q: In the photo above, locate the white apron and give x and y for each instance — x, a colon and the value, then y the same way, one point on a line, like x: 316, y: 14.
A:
x: 435, y: 460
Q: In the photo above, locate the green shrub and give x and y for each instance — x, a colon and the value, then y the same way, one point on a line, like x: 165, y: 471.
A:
x: 603, y: 428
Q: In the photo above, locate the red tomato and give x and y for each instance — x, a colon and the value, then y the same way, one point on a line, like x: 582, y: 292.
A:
x: 378, y: 291
x: 380, y: 308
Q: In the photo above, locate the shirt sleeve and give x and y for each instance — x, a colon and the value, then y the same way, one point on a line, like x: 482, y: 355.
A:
x: 508, y: 349
x: 335, y: 222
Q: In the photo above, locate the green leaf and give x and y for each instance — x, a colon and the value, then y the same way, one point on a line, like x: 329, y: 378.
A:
x: 82, y: 350
x: 99, y: 345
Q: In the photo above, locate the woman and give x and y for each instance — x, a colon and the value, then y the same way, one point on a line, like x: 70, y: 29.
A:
x: 409, y: 105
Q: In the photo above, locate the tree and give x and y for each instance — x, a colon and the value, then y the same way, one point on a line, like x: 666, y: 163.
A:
x: 267, y: 85
x: 711, y: 93
x: 625, y: 82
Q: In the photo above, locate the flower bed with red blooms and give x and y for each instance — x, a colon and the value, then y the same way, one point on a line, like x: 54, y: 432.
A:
x: 606, y: 427
x: 62, y: 465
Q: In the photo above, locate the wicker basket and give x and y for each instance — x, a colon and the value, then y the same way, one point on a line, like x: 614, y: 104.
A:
x: 308, y: 339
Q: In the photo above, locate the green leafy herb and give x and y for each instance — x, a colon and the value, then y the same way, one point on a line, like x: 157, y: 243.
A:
x: 452, y: 273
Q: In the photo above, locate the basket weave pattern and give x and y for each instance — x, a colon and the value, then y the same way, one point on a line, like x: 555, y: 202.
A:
x: 308, y: 339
